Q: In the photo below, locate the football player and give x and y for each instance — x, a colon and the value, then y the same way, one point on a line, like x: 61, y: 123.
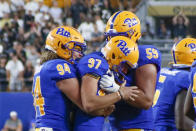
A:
x: 134, y: 115
x: 55, y: 84
x: 172, y: 89
x: 119, y: 54
x: 190, y: 104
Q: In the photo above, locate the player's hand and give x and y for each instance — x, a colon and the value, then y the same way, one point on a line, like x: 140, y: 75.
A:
x: 129, y: 93
x: 103, y: 112
x: 108, y: 84
x: 108, y: 110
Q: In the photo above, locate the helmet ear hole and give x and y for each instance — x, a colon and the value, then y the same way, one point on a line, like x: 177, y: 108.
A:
x: 113, y: 56
x: 136, y: 34
x: 58, y: 43
x: 62, y: 46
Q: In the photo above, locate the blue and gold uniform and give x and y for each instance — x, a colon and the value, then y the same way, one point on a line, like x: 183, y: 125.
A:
x: 193, y: 85
x: 127, y: 117
x: 51, y: 105
x: 93, y: 64
x: 171, y: 82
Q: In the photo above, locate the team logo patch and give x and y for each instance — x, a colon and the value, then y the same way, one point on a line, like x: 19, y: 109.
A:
x: 122, y: 45
x: 131, y: 22
x: 63, y: 32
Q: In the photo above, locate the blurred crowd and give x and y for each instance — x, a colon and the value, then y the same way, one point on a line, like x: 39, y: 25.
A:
x: 175, y: 28
x: 24, y: 25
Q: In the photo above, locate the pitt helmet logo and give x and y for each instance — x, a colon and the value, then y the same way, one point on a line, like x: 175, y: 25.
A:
x: 192, y: 46
x: 122, y: 45
x: 131, y: 22
x: 63, y: 32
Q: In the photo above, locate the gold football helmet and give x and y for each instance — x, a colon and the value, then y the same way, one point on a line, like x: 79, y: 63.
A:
x: 123, y: 23
x: 63, y: 40
x: 121, y: 49
x: 184, y: 51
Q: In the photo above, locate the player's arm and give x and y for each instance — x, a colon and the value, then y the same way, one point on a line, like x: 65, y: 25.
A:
x: 145, y: 78
x: 188, y: 106
x: 103, y: 112
x: 92, y: 102
x: 182, y: 122
x: 70, y: 87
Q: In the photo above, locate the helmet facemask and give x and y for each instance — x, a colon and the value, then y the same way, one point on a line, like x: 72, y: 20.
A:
x: 80, y: 48
x: 120, y: 71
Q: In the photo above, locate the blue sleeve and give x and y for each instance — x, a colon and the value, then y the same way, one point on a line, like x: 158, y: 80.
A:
x: 60, y: 69
x: 92, y: 64
x: 148, y: 54
x: 191, y: 76
x: 194, y: 64
x: 182, y: 80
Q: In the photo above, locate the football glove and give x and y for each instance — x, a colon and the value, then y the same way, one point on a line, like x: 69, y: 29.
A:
x: 108, y: 84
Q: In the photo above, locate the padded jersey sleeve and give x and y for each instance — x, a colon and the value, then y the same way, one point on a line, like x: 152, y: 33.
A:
x: 149, y: 54
x: 93, y: 64
x: 60, y: 69
x: 193, y: 71
x: 182, y: 80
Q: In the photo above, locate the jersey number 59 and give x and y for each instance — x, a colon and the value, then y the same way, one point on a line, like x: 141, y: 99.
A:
x: 152, y: 53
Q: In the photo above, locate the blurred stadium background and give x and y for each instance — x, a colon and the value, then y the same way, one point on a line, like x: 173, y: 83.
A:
x: 24, y: 25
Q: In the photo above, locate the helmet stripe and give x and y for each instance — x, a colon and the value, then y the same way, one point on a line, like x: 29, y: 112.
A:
x: 174, y: 56
x: 113, y: 19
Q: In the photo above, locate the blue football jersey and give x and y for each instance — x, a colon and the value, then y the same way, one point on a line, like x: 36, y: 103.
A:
x: 127, y: 116
x: 93, y: 63
x: 171, y: 82
x: 193, y: 85
x: 51, y: 105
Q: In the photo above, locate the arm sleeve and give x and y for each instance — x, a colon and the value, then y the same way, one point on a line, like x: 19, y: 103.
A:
x: 98, y: 68
x: 183, y: 80
x: 60, y: 69
x: 149, y: 54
